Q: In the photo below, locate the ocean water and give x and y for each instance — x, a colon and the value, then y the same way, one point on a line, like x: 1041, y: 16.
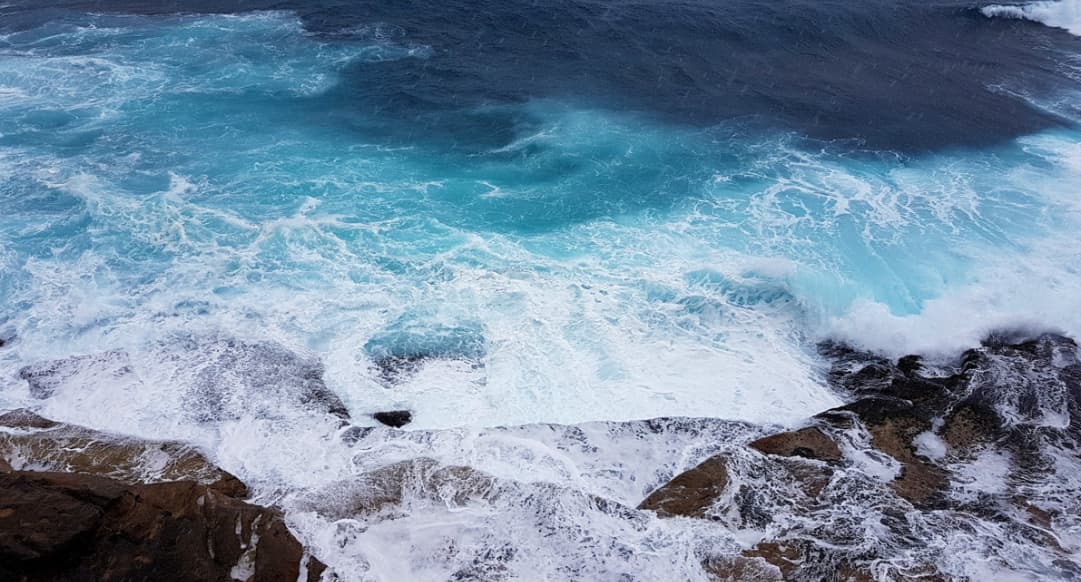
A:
x: 567, y: 212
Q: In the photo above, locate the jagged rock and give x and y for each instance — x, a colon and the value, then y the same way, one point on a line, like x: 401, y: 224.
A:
x: 893, y: 424
x: 41, y: 444
x: 691, y: 493
x: 808, y: 442
x: 68, y: 527
x: 394, y: 418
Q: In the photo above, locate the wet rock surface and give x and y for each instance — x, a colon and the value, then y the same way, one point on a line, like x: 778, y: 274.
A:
x: 690, y: 493
x: 808, y: 442
x: 39, y: 444
x: 933, y: 448
x: 69, y: 527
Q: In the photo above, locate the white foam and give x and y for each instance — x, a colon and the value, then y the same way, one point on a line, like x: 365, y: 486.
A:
x: 1057, y: 13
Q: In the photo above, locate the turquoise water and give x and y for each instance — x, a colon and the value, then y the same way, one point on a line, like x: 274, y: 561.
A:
x: 562, y: 261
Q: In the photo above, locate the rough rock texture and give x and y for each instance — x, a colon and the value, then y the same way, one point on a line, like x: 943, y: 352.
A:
x: 808, y: 442
x: 69, y: 527
x: 40, y: 444
x: 691, y: 493
x: 991, y: 437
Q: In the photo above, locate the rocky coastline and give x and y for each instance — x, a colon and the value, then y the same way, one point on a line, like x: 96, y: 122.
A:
x: 80, y: 504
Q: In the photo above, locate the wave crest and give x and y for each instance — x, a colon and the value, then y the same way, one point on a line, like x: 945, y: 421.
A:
x: 1055, y: 13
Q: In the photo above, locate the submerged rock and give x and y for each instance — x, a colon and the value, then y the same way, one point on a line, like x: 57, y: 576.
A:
x: 44, y: 378
x: 387, y: 486
x: 61, y: 526
x: 405, y: 346
x: 394, y: 418
x: 219, y: 377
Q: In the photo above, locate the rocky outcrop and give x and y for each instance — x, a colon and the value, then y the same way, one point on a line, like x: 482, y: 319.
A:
x: 69, y: 527
x: 1014, y: 403
x: 78, y: 504
x: 39, y: 444
x: 808, y: 442
x: 691, y: 493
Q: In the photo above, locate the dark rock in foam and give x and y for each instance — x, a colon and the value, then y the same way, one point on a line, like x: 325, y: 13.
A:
x: 1013, y: 397
x: 45, y: 378
x: 394, y: 418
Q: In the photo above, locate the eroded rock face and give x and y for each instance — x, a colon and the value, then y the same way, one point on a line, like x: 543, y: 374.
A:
x: 69, y: 527
x: 39, y: 444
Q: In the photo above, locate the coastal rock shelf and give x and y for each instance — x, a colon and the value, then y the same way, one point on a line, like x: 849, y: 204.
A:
x: 863, y: 491
x: 77, y: 504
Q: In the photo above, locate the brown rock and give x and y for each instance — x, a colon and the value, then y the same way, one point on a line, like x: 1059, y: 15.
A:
x: 808, y: 442
x: 893, y: 424
x: 44, y: 445
x: 691, y: 493
x: 57, y: 526
x: 920, y: 482
x: 968, y: 426
x: 787, y: 558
